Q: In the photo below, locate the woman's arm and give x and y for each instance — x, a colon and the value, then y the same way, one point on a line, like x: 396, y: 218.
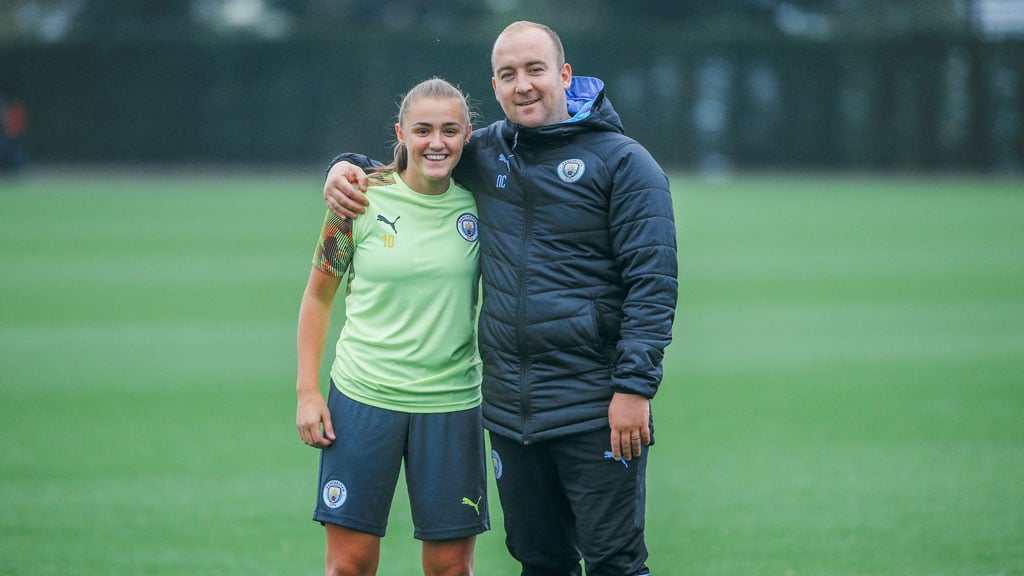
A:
x: 312, y: 417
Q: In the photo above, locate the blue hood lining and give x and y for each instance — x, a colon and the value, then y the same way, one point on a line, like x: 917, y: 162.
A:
x: 581, y: 95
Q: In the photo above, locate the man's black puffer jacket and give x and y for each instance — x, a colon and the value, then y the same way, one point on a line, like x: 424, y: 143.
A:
x: 578, y: 254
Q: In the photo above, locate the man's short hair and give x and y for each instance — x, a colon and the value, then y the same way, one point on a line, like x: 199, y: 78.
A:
x: 520, y: 24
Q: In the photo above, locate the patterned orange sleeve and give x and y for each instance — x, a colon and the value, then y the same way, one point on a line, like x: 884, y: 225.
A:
x: 335, y: 248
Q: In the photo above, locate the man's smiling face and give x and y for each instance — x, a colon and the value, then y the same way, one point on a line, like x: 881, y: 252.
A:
x: 529, y: 80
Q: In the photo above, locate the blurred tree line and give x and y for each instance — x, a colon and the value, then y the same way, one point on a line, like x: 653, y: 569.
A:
x: 706, y: 84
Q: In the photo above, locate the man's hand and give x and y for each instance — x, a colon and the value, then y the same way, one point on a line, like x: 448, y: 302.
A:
x: 344, y: 190
x: 629, y: 416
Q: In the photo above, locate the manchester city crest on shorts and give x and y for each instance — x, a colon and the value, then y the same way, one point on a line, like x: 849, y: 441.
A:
x: 496, y: 461
x: 469, y: 227
x: 571, y: 170
x: 335, y: 494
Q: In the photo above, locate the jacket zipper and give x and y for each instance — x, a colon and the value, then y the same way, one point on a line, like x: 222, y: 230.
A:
x: 524, y: 378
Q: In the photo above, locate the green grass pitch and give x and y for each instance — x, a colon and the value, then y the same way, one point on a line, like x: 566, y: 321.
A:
x: 844, y: 395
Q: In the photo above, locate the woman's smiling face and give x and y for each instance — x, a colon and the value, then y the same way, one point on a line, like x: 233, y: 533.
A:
x: 435, y: 132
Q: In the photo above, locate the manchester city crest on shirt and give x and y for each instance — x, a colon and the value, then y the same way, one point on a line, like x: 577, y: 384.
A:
x: 469, y: 227
x: 571, y: 170
x: 335, y: 494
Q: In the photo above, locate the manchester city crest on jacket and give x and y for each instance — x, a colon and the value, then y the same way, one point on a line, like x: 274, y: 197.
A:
x: 571, y: 170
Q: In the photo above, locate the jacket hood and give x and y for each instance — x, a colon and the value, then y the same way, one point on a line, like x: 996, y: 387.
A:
x: 589, y: 110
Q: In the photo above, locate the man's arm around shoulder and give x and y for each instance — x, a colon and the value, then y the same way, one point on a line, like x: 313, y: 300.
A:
x: 345, y: 184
